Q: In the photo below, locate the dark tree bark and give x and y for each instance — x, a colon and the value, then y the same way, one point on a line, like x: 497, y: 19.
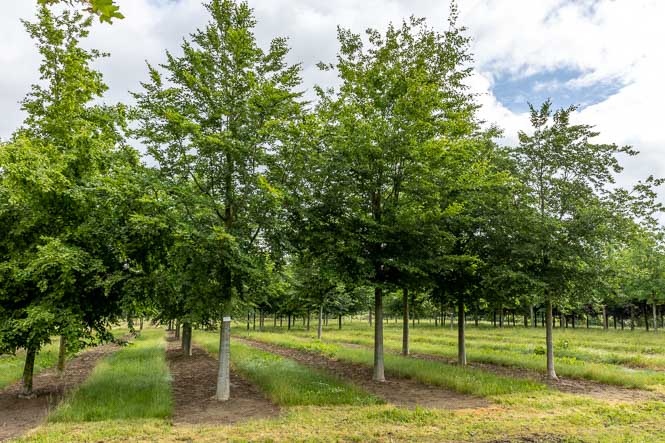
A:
x: 319, y: 328
x: 461, y: 341
x: 28, y: 371
x: 605, y: 319
x: 405, y: 321
x: 62, y: 353
x: 187, y: 339
x: 551, y: 374
x: 379, y: 374
x: 177, y: 330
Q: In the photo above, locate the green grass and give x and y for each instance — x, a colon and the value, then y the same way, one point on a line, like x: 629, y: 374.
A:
x: 286, y: 382
x: 464, y: 380
x: 515, y: 347
x: 132, y: 383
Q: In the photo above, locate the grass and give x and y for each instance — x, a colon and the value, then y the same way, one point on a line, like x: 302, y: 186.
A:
x: 286, y: 382
x: 516, y: 347
x: 132, y: 383
x: 464, y: 380
x: 536, y: 414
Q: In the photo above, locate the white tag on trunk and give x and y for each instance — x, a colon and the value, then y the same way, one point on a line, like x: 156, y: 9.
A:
x: 226, y: 319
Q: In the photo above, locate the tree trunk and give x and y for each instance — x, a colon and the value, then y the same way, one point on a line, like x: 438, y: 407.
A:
x: 288, y: 321
x: 655, y: 315
x: 605, y: 319
x: 339, y: 320
x: 370, y: 317
x: 177, y: 330
x: 224, y: 375
x: 646, y: 316
x: 28, y: 371
x: 501, y: 317
x: 551, y: 374
x: 319, y: 327
x: 248, y: 319
x: 461, y: 343
x: 309, y: 317
x: 573, y: 319
x: 378, y: 336
x: 262, y: 320
x: 532, y: 313
x: 141, y: 324
x: 62, y: 353
x: 253, y: 319
x: 187, y: 339
x: 405, y: 321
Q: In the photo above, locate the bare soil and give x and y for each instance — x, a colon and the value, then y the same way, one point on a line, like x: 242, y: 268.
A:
x: 398, y: 391
x: 18, y: 415
x: 194, y: 383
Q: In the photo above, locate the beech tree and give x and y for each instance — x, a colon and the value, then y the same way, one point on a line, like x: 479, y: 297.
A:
x: 211, y: 118
x: 401, y: 103
x: 61, y: 274
x: 566, y: 179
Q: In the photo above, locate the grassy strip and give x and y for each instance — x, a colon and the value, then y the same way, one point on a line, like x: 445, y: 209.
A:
x: 286, y: 382
x: 464, y: 380
x: 565, y: 366
x: 133, y: 383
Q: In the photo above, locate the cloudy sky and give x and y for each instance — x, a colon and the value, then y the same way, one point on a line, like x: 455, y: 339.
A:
x: 604, y: 55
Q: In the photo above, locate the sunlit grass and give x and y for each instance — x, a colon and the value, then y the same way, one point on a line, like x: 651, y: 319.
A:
x: 132, y: 383
x: 285, y: 381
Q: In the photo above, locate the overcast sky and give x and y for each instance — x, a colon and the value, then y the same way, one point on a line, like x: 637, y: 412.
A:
x: 604, y: 55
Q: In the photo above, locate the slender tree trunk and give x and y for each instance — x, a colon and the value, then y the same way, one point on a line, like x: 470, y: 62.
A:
x: 370, y: 316
x: 605, y: 319
x: 253, y: 319
x: 319, y: 327
x: 550, y: 343
x: 532, y: 315
x: 262, y: 320
x: 248, y: 319
x: 646, y: 316
x: 187, y: 339
x: 378, y: 336
x: 587, y: 321
x: 309, y: 316
x: 405, y: 321
x: 573, y: 319
x: 339, y: 320
x: 62, y: 353
x: 28, y: 371
x: 141, y: 324
x: 461, y: 342
x: 177, y: 330
x: 501, y: 317
x: 632, y: 317
x: 224, y: 374
x: 655, y: 315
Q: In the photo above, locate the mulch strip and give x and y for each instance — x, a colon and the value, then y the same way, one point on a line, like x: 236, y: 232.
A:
x: 18, y: 415
x: 194, y: 384
x: 402, y: 392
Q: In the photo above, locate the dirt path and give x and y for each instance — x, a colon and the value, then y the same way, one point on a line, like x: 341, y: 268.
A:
x: 18, y: 415
x: 194, y: 382
x: 398, y: 391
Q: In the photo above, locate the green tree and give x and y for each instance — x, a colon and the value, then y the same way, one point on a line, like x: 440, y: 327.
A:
x: 213, y: 122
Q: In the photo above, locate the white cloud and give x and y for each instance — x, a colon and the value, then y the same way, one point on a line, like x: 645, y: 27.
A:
x: 609, y: 41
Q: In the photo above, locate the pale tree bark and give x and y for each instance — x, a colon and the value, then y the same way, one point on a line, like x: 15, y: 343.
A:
x: 62, y: 353
x: 224, y: 374
x: 461, y: 339
x: 405, y: 322
x: 605, y: 319
x: 533, y: 316
x: 379, y: 374
x: 319, y: 327
x: 28, y: 371
x: 551, y: 374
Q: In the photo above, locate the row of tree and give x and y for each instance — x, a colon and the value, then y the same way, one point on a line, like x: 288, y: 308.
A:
x: 258, y: 199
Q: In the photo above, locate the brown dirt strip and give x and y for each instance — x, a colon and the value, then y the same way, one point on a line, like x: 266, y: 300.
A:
x: 398, y: 391
x: 194, y: 383
x: 18, y: 415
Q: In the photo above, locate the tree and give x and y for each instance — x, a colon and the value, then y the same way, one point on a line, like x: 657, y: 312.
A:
x: 60, y: 276
x: 106, y: 10
x: 566, y: 179
x: 214, y: 125
x: 401, y: 104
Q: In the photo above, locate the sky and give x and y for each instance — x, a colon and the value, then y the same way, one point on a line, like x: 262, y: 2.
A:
x: 604, y: 55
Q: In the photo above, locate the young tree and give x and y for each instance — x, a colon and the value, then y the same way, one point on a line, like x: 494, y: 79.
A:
x: 401, y: 103
x: 566, y: 179
x: 213, y: 121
